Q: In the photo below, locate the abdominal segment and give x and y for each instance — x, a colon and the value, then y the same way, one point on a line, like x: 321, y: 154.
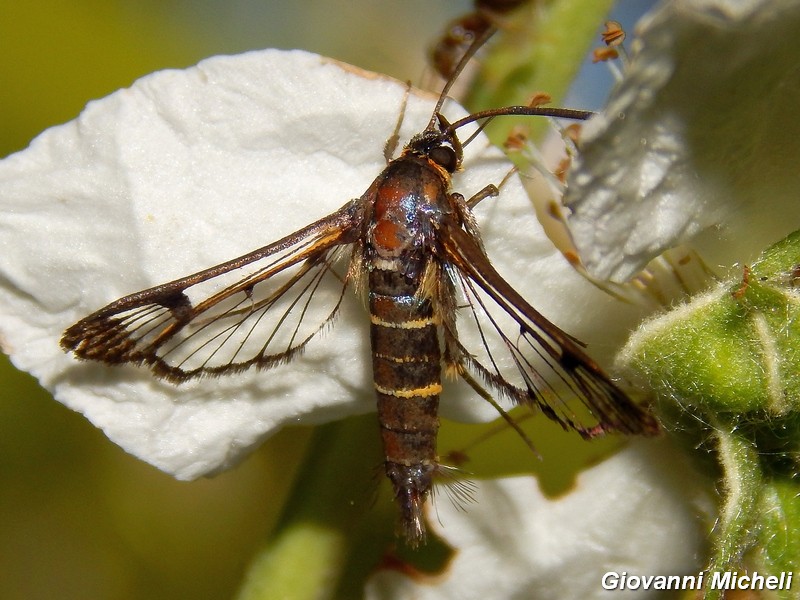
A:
x: 407, y: 373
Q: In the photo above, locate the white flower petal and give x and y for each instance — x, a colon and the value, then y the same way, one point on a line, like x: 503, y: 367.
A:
x: 626, y: 514
x: 699, y: 134
x: 187, y: 169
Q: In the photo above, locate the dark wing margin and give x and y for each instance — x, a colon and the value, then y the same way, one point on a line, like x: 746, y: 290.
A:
x: 530, y: 339
x: 258, y: 310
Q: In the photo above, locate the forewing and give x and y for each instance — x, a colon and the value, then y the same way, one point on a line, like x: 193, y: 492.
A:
x: 257, y: 310
x: 523, y: 355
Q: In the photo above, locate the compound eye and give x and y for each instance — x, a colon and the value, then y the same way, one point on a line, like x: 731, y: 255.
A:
x: 445, y: 157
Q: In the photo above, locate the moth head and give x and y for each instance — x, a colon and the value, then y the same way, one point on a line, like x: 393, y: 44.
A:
x: 439, y: 144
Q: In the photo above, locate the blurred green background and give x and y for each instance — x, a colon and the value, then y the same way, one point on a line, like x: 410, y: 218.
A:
x: 79, y: 518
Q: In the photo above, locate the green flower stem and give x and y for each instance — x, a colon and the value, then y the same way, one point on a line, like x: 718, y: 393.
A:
x: 540, y: 51
x: 759, y: 516
x: 779, y: 536
x: 307, y: 554
x: 738, y: 520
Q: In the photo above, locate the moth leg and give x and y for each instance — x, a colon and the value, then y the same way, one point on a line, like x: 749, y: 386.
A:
x: 391, y: 144
x: 489, y: 191
x: 481, y: 391
x: 460, y: 455
x: 464, y: 207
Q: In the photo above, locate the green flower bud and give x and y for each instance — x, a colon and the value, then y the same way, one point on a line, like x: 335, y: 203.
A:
x: 735, y: 349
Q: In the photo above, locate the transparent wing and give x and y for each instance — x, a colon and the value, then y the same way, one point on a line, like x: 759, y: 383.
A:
x: 258, y: 310
x: 537, y: 362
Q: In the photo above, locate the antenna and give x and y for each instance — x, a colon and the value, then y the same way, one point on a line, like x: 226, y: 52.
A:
x: 559, y: 113
x: 479, y: 41
x: 540, y: 111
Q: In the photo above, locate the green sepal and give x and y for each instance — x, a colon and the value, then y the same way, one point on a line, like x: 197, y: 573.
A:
x: 735, y: 349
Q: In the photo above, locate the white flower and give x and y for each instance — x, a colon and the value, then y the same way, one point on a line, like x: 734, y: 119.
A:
x: 698, y: 143
x: 187, y: 169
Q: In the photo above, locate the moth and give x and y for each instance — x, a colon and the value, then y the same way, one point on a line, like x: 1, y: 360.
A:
x: 411, y: 244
